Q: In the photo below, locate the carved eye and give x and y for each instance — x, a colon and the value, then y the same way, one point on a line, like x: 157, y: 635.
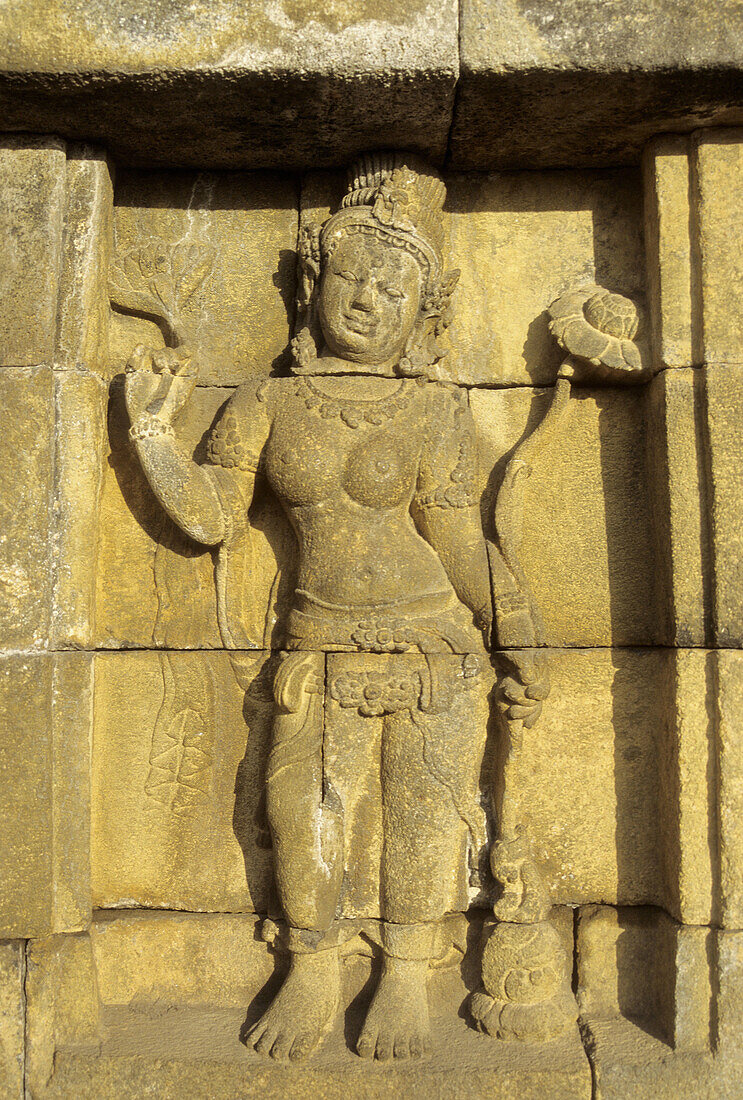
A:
x: 393, y: 292
x: 348, y: 276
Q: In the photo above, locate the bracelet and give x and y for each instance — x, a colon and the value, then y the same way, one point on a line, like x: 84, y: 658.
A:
x: 148, y: 426
x: 511, y: 602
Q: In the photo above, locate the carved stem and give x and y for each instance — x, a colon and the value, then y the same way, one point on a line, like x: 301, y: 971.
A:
x: 509, y: 505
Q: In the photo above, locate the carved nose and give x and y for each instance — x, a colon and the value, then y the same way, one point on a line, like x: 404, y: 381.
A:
x: 363, y: 298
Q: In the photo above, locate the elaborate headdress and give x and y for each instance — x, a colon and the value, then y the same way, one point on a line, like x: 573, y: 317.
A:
x: 399, y: 199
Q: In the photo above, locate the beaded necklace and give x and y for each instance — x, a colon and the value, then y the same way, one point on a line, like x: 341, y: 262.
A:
x: 354, y: 413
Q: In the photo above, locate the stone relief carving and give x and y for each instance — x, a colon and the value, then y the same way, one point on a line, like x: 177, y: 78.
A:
x: 372, y: 455
x: 181, y: 739
x: 155, y: 280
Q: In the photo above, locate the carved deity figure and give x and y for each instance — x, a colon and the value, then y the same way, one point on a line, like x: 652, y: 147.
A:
x: 372, y: 456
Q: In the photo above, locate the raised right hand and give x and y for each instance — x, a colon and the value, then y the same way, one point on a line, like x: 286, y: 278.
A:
x: 159, y: 382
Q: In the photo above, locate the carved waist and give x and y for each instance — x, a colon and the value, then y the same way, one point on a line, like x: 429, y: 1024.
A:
x: 426, y: 624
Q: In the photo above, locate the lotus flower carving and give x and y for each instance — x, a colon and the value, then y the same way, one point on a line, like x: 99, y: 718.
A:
x: 601, y: 332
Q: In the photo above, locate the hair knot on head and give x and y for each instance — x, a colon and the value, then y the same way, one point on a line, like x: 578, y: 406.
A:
x: 394, y: 196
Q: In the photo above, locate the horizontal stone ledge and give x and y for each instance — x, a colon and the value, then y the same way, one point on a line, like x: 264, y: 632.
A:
x: 237, y: 120
x: 229, y: 85
x: 545, y: 84
x: 558, y: 118
x: 291, y: 120
x: 296, y: 84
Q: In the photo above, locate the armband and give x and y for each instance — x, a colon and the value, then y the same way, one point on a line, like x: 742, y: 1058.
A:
x: 148, y: 426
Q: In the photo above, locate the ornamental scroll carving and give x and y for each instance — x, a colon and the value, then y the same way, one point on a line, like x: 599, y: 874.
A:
x: 398, y: 605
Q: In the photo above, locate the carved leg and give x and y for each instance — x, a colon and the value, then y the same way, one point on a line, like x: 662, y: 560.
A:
x: 396, y: 1024
x: 430, y: 770
x: 306, y: 830
x: 430, y: 765
x: 306, y: 826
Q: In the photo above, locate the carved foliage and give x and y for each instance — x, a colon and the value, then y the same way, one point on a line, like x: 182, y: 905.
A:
x: 598, y: 330
x: 181, y: 753
x: 156, y: 280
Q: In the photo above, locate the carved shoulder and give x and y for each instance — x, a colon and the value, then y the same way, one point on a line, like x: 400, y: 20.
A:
x: 240, y: 433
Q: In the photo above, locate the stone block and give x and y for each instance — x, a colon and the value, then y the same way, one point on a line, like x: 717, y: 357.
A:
x: 178, y: 755
x: 723, y: 392
x: 32, y: 185
x: 220, y: 250
x: 520, y: 240
x: 729, y: 959
x: 12, y: 1012
x: 676, y: 463
x: 717, y: 198
x: 26, y: 470
x: 674, y: 313
x: 695, y: 444
x: 640, y: 964
x: 46, y: 704
x: 543, y: 87
x: 83, y: 318
x: 131, y: 1063
x: 145, y: 564
x: 61, y: 1004
x: 729, y: 769
x: 178, y: 959
x: 320, y: 84
x: 170, y: 760
x: 701, y: 786
x: 687, y: 764
x: 584, y: 785
x: 178, y: 990
x: 587, y: 544
x: 81, y: 399
x: 628, y: 1061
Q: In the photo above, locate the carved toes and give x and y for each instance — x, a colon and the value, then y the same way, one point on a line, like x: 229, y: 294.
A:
x: 282, y: 1046
x: 384, y: 1045
x: 264, y: 1040
x: 366, y: 1045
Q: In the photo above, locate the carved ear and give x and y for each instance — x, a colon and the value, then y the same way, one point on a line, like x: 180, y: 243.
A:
x: 425, y: 346
x: 308, y: 256
x: 305, y: 344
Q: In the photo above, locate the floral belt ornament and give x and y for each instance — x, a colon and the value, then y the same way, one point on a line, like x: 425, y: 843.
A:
x: 431, y: 687
x: 374, y: 693
x: 393, y: 638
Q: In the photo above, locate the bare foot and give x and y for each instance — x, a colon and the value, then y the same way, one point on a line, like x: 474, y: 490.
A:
x: 303, y: 1008
x: 396, y: 1024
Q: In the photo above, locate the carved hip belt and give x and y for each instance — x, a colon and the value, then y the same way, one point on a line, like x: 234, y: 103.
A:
x: 425, y: 625
x: 446, y: 664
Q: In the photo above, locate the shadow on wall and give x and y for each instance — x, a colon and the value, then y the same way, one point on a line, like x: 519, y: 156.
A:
x: 521, y: 239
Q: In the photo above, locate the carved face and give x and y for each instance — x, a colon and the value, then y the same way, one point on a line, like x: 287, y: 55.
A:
x: 369, y: 300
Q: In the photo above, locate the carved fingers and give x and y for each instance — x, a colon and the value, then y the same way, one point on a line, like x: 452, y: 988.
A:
x: 159, y: 382
x: 524, y: 687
